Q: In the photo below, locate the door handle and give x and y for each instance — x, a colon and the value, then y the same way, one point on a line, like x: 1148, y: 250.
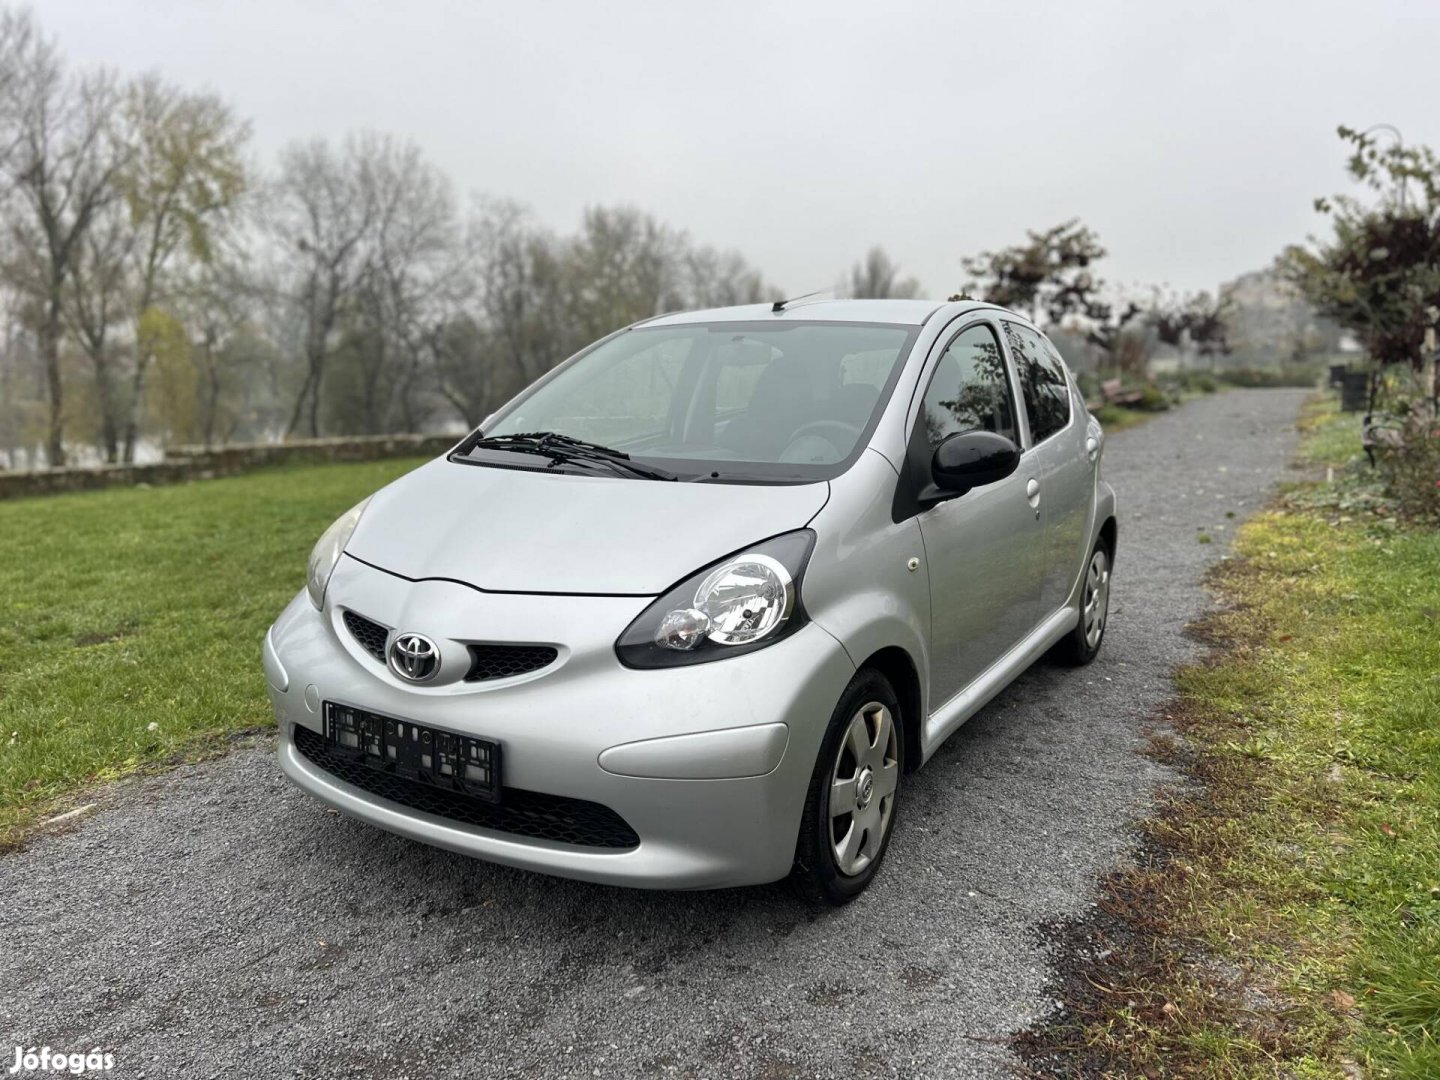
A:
x: 1092, y: 448
x: 1032, y: 494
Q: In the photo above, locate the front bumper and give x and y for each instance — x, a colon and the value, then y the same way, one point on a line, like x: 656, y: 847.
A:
x: 709, y: 764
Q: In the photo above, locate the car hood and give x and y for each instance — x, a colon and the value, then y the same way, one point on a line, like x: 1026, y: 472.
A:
x: 508, y: 530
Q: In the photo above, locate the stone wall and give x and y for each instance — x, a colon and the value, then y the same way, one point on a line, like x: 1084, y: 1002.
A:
x: 185, y: 463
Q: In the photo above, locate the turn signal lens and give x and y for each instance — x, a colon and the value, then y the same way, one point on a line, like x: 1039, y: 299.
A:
x: 683, y: 628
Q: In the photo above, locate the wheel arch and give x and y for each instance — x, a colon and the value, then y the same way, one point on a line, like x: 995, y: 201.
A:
x: 900, y: 671
x: 1108, y: 534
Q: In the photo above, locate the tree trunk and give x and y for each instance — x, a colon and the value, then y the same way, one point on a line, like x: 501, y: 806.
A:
x: 137, y: 400
x: 50, y: 358
x: 406, y: 397
x: 316, y: 342
x: 299, y: 409
x: 317, y: 373
x: 211, y: 390
x: 374, y: 424
x: 109, y: 428
x: 315, y: 410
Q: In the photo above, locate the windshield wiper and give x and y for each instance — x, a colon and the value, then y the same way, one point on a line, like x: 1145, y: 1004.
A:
x: 563, y: 448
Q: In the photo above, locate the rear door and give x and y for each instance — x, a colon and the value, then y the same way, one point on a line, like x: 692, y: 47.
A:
x: 1059, y: 459
x: 984, y: 549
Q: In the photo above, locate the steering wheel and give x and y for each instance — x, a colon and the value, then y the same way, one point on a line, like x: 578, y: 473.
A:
x: 817, y: 429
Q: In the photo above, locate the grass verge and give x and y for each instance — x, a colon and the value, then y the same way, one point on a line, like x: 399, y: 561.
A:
x: 131, y: 621
x: 1117, y: 418
x: 1283, y: 916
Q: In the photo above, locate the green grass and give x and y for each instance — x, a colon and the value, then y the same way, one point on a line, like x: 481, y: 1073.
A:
x: 1332, y: 437
x: 1290, y: 923
x: 125, y: 608
x: 1333, y: 693
x: 1117, y: 418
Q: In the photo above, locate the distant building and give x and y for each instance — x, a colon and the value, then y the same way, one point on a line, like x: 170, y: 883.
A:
x: 1270, y: 323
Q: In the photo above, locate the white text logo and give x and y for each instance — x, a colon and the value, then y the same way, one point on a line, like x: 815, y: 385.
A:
x: 29, y: 1059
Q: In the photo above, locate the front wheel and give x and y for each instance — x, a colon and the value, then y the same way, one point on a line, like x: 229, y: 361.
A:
x: 850, y: 809
x: 1085, y: 640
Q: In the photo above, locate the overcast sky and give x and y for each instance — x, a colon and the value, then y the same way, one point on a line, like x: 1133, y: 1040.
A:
x: 1192, y: 138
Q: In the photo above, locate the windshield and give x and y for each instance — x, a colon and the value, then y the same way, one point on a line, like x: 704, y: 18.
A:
x: 725, y: 401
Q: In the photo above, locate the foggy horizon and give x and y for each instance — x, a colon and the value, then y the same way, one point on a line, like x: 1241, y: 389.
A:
x: 801, y: 137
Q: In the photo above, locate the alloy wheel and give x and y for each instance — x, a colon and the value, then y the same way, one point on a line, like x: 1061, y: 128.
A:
x: 1097, y: 598
x: 862, y: 787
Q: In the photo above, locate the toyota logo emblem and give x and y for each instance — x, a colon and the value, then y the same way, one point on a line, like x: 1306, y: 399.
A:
x: 414, y: 657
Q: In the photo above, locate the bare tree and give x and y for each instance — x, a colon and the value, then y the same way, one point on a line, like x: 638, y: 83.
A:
x: 711, y: 278
x: 321, y: 215
x: 519, y: 274
x: 366, y: 239
x: 623, y: 266
x: 217, y: 306
x: 876, y: 277
x: 21, y: 387
x: 181, y: 184
x: 410, y: 270
x: 466, y: 376
x: 98, y: 301
x: 17, y: 42
x: 60, y: 173
x: 537, y: 298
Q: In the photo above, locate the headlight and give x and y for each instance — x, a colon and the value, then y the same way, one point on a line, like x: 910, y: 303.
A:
x: 743, y: 602
x: 327, y: 553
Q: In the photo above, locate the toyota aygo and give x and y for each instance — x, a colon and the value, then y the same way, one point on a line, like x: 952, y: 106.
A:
x: 687, y: 611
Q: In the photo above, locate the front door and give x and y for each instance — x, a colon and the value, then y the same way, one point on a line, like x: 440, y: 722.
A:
x: 985, y: 549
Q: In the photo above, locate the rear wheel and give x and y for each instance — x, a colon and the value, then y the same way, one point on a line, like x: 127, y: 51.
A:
x: 850, y: 809
x: 1085, y: 640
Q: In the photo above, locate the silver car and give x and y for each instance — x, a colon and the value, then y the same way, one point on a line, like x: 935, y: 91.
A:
x: 686, y: 612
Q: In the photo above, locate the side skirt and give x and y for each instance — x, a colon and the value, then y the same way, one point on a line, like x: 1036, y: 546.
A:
x: 949, y: 716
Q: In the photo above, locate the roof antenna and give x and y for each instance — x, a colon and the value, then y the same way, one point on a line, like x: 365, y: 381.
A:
x: 779, y: 305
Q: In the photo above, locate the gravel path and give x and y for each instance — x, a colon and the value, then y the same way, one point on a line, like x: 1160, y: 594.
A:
x: 214, y: 922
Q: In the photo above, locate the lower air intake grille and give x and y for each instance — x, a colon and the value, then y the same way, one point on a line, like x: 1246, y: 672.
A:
x: 503, y: 661
x: 370, y: 635
x: 530, y: 814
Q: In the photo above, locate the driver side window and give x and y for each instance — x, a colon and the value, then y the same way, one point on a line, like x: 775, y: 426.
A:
x: 970, y: 390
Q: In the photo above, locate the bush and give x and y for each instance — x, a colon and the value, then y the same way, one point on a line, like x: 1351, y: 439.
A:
x: 1152, y: 399
x: 1411, y: 468
x: 1192, y: 382
x: 1285, y: 375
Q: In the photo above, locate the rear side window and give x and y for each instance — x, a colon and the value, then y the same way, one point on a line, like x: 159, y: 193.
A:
x: 1043, y: 384
x: 969, y: 390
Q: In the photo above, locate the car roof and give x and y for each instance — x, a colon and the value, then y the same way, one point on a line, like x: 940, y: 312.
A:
x: 908, y: 312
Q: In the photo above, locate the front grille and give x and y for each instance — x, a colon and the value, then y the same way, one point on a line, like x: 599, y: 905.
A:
x: 487, y: 662
x: 504, y: 661
x: 531, y: 814
x: 371, y: 635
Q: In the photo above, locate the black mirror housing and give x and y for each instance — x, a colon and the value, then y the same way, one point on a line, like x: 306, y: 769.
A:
x: 972, y: 459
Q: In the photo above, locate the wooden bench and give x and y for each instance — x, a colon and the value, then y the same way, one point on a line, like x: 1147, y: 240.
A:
x: 1112, y: 391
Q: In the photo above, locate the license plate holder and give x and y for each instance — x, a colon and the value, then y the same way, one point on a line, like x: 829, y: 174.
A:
x: 443, y: 759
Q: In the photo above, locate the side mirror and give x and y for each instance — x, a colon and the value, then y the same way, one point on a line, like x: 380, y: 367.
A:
x: 972, y: 459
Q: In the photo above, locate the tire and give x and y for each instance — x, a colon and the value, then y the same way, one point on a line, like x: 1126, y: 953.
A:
x: 1083, y: 643
x: 866, y: 735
